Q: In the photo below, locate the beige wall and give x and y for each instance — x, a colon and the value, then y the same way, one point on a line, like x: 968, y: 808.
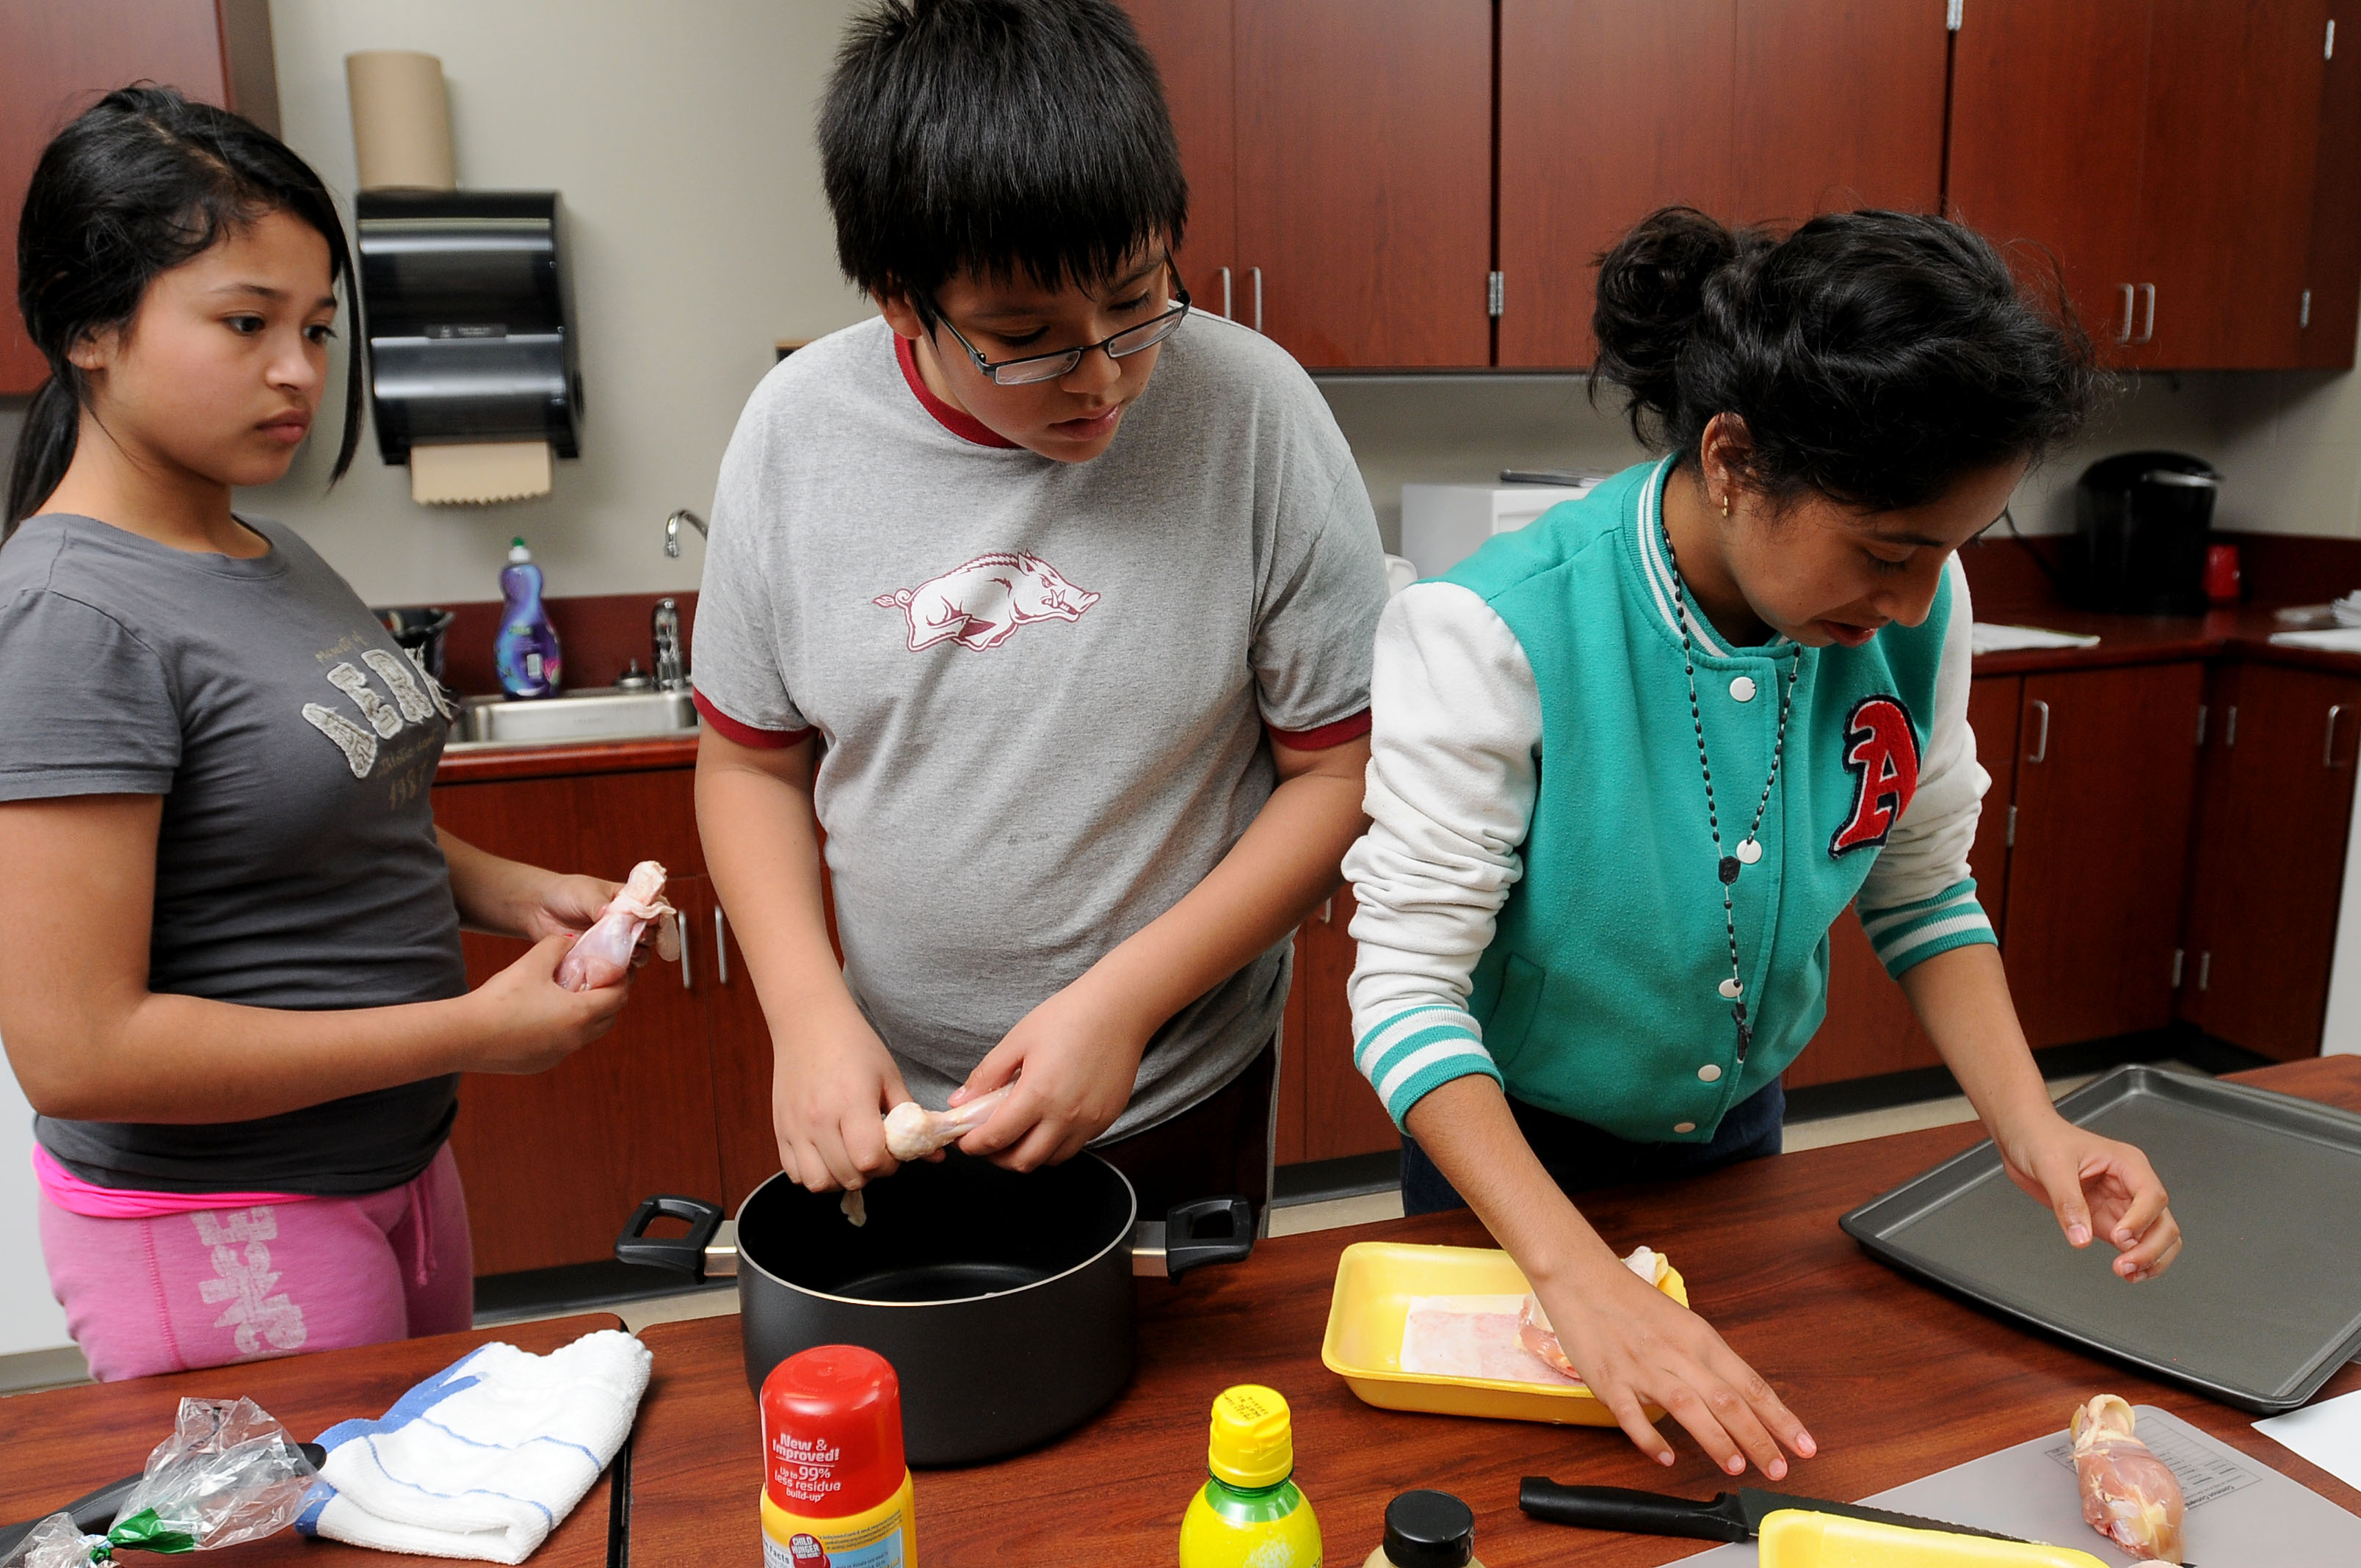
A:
x: 681, y: 137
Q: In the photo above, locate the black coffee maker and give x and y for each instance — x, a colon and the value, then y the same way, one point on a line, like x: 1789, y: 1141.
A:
x: 2142, y: 521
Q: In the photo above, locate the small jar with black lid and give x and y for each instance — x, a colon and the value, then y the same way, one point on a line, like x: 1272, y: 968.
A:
x: 1427, y: 1530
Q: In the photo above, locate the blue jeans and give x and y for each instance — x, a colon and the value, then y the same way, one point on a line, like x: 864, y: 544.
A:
x: 1581, y: 1158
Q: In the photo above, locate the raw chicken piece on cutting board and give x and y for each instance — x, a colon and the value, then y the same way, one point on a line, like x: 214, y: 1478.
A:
x: 2129, y: 1494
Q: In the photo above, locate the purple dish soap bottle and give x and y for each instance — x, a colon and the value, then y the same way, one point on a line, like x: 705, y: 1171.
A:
x: 525, y: 651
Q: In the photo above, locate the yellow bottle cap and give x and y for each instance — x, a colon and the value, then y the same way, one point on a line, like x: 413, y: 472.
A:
x: 1254, y: 1437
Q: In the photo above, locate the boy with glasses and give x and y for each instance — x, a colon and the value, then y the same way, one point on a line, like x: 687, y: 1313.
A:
x: 1056, y: 601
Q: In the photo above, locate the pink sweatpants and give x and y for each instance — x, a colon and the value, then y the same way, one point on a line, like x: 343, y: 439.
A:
x: 177, y: 1291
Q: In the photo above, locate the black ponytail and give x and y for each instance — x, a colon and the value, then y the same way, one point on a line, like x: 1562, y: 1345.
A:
x: 1874, y: 357
x: 144, y: 180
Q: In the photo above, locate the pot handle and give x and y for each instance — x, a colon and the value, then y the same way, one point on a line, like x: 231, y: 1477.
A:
x: 1184, y: 1249
x: 683, y: 1255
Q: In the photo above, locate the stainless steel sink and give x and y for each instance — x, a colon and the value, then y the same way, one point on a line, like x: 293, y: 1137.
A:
x: 602, y: 714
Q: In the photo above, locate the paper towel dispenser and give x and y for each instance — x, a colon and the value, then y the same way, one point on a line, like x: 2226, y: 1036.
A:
x: 470, y: 320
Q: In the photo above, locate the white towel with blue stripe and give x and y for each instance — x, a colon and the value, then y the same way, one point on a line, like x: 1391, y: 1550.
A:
x: 483, y: 1459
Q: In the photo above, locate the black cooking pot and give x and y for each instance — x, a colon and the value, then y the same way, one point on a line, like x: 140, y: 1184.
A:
x: 1004, y: 1300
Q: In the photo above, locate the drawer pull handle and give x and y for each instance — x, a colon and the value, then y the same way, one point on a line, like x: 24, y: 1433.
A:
x: 720, y: 947
x: 1225, y: 292
x: 687, y: 983
x: 2328, y: 747
x: 2130, y: 298
x: 2041, y: 746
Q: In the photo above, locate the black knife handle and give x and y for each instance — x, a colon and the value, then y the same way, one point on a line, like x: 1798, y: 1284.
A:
x: 1619, y: 1507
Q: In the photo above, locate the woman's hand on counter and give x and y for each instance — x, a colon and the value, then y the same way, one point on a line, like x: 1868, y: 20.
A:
x: 2096, y: 1187
x: 1634, y: 1346
x: 529, y: 1023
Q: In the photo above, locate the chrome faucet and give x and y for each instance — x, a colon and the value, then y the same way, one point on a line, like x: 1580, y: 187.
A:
x: 671, y: 672
x: 672, y: 529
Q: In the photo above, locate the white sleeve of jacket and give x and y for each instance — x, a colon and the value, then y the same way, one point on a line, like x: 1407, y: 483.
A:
x: 1920, y: 899
x: 1453, y: 762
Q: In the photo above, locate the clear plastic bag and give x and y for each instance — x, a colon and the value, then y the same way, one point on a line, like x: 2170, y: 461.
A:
x: 227, y: 1475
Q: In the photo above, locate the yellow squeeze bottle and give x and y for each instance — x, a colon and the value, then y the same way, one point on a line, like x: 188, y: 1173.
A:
x: 1249, y: 1514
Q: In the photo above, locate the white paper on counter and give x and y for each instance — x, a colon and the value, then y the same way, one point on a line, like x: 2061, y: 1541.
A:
x: 2328, y: 1433
x: 1993, y: 638
x: 2339, y: 640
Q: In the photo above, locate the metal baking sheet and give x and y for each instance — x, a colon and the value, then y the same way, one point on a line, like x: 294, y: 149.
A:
x: 2264, y: 1302
x: 2242, y: 1513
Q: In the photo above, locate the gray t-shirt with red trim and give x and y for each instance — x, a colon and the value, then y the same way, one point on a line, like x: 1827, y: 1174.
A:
x: 1041, y: 688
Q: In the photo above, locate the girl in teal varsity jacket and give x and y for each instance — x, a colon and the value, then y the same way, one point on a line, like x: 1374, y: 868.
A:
x: 1629, y: 763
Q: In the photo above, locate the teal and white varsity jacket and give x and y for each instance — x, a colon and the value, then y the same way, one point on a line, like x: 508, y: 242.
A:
x: 1539, y: 898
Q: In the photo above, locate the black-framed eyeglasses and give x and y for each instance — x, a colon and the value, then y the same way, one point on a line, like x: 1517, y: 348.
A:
x: 1034, y: 367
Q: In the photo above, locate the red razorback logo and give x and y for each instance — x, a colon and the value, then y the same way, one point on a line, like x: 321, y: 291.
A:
x: 1882, y: 748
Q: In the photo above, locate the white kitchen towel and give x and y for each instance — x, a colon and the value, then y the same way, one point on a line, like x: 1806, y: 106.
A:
x: 483, y: 1459
x: 2328, y: 1433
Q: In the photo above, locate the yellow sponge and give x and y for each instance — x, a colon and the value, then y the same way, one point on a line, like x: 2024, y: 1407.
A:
x: 1794, y: 1539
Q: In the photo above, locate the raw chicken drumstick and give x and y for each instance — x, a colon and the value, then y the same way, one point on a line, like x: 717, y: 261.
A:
x: 1533, y: 1330
x: 2129, y: 1494
x: 602, y: 955
x: 913, y: 1131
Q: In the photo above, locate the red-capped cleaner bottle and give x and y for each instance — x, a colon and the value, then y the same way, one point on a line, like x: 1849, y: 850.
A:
x: 836, y: 1489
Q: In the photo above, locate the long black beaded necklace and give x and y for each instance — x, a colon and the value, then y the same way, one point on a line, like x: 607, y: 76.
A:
x: 1749, y: 848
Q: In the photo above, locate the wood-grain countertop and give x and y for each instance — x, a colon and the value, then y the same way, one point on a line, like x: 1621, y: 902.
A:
x: 1894, y: 1379
x: 65, y: 1441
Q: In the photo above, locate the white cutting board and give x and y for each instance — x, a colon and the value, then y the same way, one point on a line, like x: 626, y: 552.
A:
x: 2242, y: 1513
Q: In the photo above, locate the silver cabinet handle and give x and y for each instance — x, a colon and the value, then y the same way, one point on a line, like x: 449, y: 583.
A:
x: 2041, y: 746
x: 720, y: 947
x: 1254, y: 279
x: 2125, y: 336
x: 687, y: 982
x: 2230, y: 727
x: 2147, y: 325
x: 2328, y: 747
x: 1225, y: 292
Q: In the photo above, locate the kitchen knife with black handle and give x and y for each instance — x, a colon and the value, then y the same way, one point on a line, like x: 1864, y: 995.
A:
x: 1731, y: 1516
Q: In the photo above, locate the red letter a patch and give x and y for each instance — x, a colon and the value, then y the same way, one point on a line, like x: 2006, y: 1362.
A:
x: 1883, y: 750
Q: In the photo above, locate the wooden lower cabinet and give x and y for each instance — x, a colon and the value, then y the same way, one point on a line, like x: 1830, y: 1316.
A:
x: 2273, y: 817
x: 1326, y: 1109
x: 2106, y: 781
x: 554, y: 1162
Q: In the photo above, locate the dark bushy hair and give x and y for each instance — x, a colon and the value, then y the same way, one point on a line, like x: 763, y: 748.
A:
x: 1875, y: 357
x: 140, y: 182
x: 996, y: 138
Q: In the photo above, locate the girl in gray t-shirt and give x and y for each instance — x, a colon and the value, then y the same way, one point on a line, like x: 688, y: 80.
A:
x: 241, y: 1011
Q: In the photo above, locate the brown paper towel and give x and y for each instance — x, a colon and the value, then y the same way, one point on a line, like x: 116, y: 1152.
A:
x: 479, y: 472
x: 401, y: 121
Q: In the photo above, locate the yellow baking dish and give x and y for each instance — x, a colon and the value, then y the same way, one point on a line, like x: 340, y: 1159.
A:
x: 1794, y: 1539
x: 1375, y: 1282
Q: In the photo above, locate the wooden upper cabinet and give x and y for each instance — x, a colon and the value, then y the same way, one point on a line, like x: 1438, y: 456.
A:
x: 58, y: 57
x: 1767, y: 110
x: 2191, y: 164
x: 1365, y: 188
x: 2228, y: 181
x: 2048, y: 106
x: 1838, y: 104
x: 1191, y: 43
x: 1608, y: 112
